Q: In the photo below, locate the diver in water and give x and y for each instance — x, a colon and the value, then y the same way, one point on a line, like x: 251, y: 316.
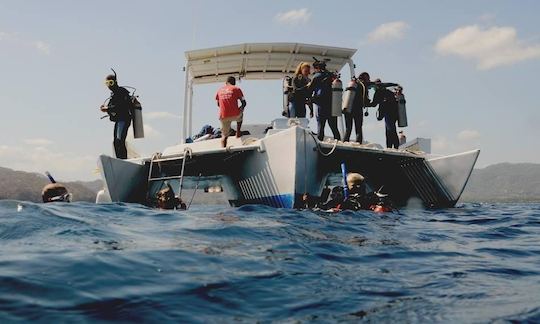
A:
x: 119, y: 109
x: 357, y: 193
x: 55, y: 192
x: 167, y: 200
x: 336, y: 199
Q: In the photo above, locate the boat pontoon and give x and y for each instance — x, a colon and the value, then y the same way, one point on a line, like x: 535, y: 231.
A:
x: 277, y: 166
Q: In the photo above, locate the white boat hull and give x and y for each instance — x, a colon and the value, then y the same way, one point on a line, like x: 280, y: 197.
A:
x: 279, y: 169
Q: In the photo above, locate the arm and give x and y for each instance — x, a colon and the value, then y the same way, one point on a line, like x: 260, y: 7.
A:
x: 240, y: 96
x: 243, y: 103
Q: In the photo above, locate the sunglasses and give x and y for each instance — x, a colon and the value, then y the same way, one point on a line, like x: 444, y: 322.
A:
x: 109, y: 83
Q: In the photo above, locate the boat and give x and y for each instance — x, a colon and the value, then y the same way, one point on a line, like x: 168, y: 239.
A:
x: 278, y: 165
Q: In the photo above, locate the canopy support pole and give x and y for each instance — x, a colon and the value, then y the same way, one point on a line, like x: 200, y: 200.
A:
x: 187, y: 114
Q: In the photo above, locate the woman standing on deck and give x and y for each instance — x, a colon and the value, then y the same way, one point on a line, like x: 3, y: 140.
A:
x: 300, y: 94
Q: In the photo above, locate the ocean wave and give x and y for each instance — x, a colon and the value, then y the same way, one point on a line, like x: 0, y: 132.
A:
x: 126, y: 262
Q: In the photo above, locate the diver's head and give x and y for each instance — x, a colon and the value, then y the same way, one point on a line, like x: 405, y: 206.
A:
x: 231, y: 80
x: 355, y: 182
x: 166, y: 199
x: 364, y: 76
x: 111, y: 82
x: 319, y: 65
x: 55, y: 192
x: 303, y: 69
x: 378, y: 83
x: 337, y: 193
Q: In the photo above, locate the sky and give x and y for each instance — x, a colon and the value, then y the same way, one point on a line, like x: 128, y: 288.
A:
x: 468, y: 69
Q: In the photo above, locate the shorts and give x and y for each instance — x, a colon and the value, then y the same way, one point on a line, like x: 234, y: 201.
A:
x: 226, y: 123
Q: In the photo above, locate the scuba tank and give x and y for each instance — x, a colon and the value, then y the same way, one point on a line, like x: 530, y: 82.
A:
x: 402, y: 110
x: 287, y: 88
x: 348, y: 97
x: 136, y: 114
x: 337, y: 97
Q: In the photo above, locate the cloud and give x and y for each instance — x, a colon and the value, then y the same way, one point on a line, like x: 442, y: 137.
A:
x: 160, y: 115
x: 42, y: 47
x: 38, y: 141
x: 14, y: 38
x: 388, y: 31
x: 489, y: 47
x: 39, y: 159
x: 294, y: 17
x: 440, y: 144
x: 468, y: 135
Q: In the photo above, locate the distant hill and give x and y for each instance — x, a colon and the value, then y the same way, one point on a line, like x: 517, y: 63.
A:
x: 27, y: 186
x: 505, y: 182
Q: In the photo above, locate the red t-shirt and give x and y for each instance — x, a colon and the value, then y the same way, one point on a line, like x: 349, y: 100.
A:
x: 227, y: 97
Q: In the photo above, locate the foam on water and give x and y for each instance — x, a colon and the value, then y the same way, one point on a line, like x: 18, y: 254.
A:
x: 85, y: 262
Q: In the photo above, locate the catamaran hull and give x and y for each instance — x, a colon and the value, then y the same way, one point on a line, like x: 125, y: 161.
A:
x: 279, y: 169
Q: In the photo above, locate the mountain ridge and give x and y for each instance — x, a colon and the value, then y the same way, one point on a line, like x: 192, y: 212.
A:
x: 502, y: 182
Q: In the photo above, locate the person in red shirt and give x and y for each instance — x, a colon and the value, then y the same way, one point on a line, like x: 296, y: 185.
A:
x: 227, y: 99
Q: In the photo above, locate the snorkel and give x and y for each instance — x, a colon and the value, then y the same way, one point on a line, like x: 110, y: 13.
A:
x: 51, y: 179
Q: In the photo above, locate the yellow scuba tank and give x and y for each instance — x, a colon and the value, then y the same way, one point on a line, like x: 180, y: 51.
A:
x: 402, y: 110
x: 138, y: 125
x: 337, y: 97
x: 348, y: 97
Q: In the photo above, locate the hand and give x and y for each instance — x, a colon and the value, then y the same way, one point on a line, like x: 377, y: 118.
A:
x: 103, y: 108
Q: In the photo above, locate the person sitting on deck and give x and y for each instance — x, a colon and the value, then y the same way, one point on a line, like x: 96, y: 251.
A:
x: 227, y: 98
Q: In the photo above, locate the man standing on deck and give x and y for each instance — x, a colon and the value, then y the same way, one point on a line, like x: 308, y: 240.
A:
x: 388, y: 110
x: 120, y: 111
x: 227, y: 99
x: 356, y: 115
x: 321, y: 88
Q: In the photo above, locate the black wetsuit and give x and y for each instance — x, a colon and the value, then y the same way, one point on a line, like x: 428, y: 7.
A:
x: 119, y: 110
x: 321, y: 88
x: 299, y: 97
x: 356, y: 115
x: 388, y: 109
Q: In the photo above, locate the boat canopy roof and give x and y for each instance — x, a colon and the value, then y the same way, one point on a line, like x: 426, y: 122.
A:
x: 260, y: 61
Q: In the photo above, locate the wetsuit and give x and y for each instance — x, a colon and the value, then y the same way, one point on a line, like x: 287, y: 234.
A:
x: 388, y: 109
x: 321, y: 88
x: 356, y: 115
x: 119, y: 110
x: 299, y: 97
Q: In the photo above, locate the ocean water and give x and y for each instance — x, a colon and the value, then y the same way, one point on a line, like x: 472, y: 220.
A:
x: 119, y: 262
